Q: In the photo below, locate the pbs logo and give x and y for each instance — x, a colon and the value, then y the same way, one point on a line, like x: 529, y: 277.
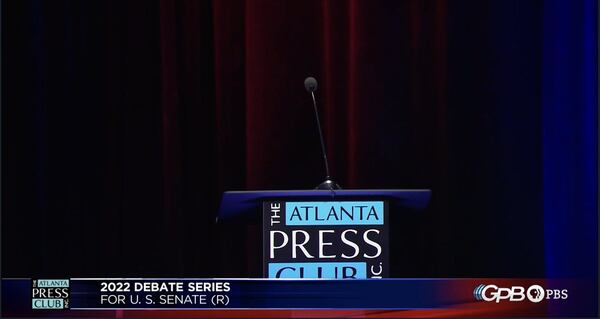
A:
x: 535, y: 293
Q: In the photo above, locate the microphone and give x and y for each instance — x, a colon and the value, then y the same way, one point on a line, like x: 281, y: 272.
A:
x: 310, y: 84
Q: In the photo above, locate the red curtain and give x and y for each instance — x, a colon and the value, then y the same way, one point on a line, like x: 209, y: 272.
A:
x: 380, y: 66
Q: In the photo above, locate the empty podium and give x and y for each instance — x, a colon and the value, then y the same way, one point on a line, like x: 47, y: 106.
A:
x: 329, y: 234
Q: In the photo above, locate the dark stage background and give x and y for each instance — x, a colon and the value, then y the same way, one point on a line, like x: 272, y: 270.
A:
x: 124, y: 121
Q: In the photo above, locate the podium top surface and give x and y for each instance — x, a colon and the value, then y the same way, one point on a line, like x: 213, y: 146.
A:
x: 244, y: 204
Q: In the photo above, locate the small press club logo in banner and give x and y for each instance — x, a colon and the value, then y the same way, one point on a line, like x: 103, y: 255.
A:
x: 50, y: 294
x: 329, y: 240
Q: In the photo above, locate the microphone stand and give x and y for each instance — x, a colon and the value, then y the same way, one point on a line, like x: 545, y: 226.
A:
x: 328, y: 184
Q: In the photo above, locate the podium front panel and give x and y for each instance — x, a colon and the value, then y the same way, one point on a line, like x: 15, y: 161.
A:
x: 325, y: 239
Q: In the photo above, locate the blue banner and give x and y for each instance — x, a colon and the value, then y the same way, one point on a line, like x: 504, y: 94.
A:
x: 26, y: 297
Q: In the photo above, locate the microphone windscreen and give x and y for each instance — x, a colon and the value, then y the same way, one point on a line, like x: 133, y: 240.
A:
x: 310, y: 84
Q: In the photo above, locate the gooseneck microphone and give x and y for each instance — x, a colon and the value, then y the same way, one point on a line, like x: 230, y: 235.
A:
x: 310, y: 84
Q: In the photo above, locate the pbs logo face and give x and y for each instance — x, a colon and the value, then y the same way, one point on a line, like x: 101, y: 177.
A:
x: 534, y: 293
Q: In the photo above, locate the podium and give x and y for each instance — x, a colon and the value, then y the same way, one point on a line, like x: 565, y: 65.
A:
x: 330, y: 234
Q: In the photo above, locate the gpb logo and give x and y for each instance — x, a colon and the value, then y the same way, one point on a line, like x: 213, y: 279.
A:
x: 495, y: 293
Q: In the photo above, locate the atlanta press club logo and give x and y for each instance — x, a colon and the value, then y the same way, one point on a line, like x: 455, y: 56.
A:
x: 50, y: 294
x: 534, y: 293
